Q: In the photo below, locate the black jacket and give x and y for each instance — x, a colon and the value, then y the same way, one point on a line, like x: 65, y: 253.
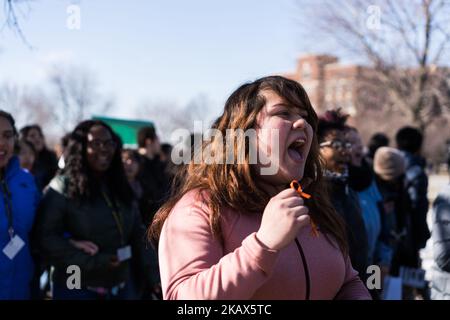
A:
x: 61, y: 219
x: 346, y: 203
x: 44, y: 168
x: 155, y: 187
x: 397, y: 204
x: 417, y: 186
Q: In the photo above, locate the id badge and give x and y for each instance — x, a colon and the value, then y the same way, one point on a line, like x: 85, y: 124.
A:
x: 13, y: 247
x: 124, y: 253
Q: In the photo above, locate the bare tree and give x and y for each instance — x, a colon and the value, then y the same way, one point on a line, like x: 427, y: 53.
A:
x: 70, y: 96
x: 160, y: 113
x: 12, y: 10
x: 169, y: 116
x: 27, y: 105
x: 403, y: 41
x: 76, y: 95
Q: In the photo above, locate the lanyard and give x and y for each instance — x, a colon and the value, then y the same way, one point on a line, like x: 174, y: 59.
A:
x: 7, y: 201
x: 116, y: 214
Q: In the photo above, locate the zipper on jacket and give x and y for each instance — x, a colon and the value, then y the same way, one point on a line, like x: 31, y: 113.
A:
x: 8, y: 207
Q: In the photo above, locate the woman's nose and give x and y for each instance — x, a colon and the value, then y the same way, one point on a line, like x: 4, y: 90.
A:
x: 345, y: 152
x: 299, y: 123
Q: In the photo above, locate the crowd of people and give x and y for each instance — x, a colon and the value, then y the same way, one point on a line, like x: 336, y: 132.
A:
x: 90, y: 209
x: 139, y: 227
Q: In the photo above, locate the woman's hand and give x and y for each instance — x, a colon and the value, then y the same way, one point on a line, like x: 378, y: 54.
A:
x: 86, y: 246
x: 283, y: 217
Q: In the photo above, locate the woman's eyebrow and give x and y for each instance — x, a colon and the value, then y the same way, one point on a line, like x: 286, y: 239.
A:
x: 300, y: 111
x: 280, y: 105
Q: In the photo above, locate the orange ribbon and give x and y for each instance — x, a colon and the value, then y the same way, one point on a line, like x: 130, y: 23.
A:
x: 297, y: 187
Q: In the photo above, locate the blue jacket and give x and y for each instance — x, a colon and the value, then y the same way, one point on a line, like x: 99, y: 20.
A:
x: 379, y: 251
x: 23, y: 196
x: 362, y: 180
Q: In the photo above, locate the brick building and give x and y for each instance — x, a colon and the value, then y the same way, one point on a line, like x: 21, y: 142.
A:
x: 329, y: 83
x: 354, y: 88
x: 373, y: 107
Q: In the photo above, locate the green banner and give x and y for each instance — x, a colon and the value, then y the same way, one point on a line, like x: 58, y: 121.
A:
x: 126, y: 129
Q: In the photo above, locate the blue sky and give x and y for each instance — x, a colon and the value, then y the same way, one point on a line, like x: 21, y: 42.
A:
x: 157, y: 50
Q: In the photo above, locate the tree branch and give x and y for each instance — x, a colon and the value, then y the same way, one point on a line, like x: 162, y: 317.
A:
x: 12, y: 20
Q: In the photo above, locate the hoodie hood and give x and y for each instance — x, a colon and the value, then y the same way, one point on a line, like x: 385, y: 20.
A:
x: 414, y: 160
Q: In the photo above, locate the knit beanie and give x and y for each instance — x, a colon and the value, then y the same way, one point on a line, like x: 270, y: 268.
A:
x: 388, y: 163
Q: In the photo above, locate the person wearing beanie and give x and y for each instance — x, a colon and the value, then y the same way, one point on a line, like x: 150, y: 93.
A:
x: 376, y: 141
x: 390, y: 166
x: 389, y: 163
x: 378, y: 225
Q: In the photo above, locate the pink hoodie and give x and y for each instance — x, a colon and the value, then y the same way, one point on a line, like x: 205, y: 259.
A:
x: 194, y: 265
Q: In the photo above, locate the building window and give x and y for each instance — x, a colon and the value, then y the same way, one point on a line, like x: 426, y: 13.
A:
x: 349, y: 96
x: 349, y: 107
x: 341, y: 89
x: 306, y: 71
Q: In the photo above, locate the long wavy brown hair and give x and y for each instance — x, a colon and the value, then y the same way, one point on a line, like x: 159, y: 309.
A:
x: 237, y: 185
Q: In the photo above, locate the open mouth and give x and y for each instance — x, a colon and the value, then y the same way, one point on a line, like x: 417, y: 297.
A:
x: 295, y: 150
x: 103, y: 159
x: 3, y: 154
x: 342, y: 163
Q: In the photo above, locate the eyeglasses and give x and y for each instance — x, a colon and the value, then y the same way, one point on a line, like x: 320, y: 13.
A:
x: 337, y: 145
x: 99, y: 144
